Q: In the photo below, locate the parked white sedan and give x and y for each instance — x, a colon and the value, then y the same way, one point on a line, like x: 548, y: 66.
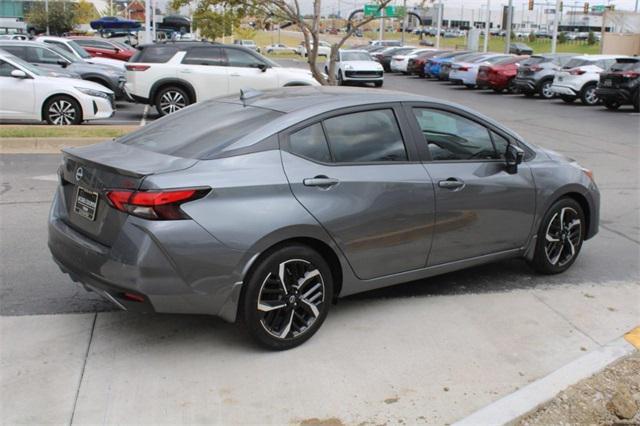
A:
x: 30, y: 94
x: 279, y: 48
x: 324, y: 49
x: 399, y: 63
x: 466, y: 72
x: 357, y: 66
x: 70, y: 46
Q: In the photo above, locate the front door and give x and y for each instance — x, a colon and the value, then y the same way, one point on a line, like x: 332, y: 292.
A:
x: 244, y: 72
x: 480, y: 208
x: 353, y: 172
x: 18, y: 94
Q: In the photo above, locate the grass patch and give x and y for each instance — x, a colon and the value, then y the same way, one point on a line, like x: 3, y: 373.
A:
x: 37, y: 131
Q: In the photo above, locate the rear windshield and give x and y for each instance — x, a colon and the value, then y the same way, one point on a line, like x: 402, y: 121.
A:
x: 536, y: 60
x: 576, y: 62
x: 155, y: 54
x: 200, y: 131
x: 625, y: 65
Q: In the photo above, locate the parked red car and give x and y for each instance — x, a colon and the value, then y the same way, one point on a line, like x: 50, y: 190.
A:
x: 100, y: 47
x: 500, y: 75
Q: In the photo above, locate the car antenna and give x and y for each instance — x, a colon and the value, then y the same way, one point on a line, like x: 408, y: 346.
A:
x: 249, y: 93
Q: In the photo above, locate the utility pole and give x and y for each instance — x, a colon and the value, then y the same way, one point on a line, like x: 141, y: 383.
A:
x: 147, y: 21
x: 636, y: 6
x: 439, y: 24
x: 487, y: 23
x: 509, y: 25
x: 46, y: 12
x: 556, y: 19
x: 404, y: 20
x: 380, y: 36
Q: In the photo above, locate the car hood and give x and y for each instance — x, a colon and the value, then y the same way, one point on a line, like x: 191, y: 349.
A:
x: 77, y: 83
x: 86, y: 67
x: 362, y: 65
x: 107, y: 62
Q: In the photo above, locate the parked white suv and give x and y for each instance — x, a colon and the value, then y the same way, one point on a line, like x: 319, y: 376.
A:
x: 579, y: 78
x: 70, y: 46
x: 324, y: 49
x: 357, y: 66
x: 30, y: 93
x: 172, y: 75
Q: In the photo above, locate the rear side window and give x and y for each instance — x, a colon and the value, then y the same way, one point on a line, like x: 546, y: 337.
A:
x: 365, y: 137
x: 311, y: 143
x: 212, y: 126
x: 204, y: 56
x: 155, y: 54
x: 575, y: 62
x: 626, y: 65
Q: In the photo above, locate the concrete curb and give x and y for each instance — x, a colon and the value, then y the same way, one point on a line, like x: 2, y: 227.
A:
x: 42, y: 145
x: 511, y: 407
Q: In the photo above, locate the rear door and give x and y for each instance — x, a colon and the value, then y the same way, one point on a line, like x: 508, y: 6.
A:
x: 480, y: 208
x: 205, y: 68
x: 358, y: 174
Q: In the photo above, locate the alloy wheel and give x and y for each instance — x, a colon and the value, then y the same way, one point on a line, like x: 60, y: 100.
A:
x: 590, y: 96
x: 62, y: 113
x: 563, y: 236
x: 289, y: 299
x: 546, y: 90
x: 172, y: 101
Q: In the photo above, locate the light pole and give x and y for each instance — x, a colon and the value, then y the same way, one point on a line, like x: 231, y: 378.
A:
x: 556, y: 20
x: 507, y: 45
x: 404, y: 20
x: 46, y: 12
x: 439, y: 24
x: 147, y: 21
x: 487, y: 23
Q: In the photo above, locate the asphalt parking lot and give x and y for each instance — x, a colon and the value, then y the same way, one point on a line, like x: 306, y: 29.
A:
x: 431, y: 351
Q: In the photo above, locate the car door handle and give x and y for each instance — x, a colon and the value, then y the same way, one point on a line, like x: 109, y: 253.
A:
x: 321, y: 181
x: 185, y: 71
x: 451, y: 183
x: 234, y: 75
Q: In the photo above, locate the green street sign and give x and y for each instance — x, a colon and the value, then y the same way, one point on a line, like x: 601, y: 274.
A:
x: 389, y: 11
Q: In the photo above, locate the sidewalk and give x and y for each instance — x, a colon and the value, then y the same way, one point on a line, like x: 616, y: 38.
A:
x: 415, y: 359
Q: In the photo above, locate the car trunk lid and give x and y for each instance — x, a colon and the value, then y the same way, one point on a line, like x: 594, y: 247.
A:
x: 87, y: 172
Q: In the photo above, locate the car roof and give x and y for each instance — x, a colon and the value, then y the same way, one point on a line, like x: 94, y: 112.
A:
x: 26, y: 43
x: 598, y: 57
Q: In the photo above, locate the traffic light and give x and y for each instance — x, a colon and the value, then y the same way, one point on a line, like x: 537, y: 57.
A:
x: 531, y: 4
x: 586, y: 8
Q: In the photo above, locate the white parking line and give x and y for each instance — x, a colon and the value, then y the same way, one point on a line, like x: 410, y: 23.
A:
x: 144, y: 115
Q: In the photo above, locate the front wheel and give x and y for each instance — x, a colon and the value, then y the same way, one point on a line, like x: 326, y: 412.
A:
x: 560, y: 237
x: 340, y: 79
x: 545, y: 90
x: 378, y: 83
x: 588, y: 95
x: 171, y: 99
x: 62, y: 111
x: 287, y: 297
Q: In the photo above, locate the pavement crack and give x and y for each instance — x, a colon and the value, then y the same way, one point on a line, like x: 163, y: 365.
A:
x: 561, y: 315
x: 623, y: 235
x: 4, y: 188
x: 84, y: 365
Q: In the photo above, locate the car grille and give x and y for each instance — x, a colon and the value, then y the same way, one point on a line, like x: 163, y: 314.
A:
x: 364, y: 74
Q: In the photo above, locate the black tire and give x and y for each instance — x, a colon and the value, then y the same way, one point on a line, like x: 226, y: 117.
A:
x: 611, y: 104
x: 378, y: 83
x: 498, y: 90
x: 340, y: 79
x: 636, y: 101
x: 529, y: 94
x: 290, y: 313
x: 547, y: 259
x: 470, y: 86
x: 544, y: 91
x: 568, y: 99
x: 62, y: 111
x: 170, y: 99
x: 512, y: 88
x: 588, y: 96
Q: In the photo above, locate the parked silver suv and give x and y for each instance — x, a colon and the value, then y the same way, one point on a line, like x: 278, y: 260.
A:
x: 535, y: 74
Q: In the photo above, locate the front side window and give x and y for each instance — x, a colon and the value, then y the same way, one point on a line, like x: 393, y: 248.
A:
x: 204, y: 56
x: 453, y: 137
x: 5, y: 69
x: 239, y: 58
x: 40, y: 55
x: 365, y: 137
x: 311, y: 143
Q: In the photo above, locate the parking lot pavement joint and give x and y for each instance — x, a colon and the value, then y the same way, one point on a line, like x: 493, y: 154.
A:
x: 633, y: 337
x: 84, y: 365
x: 564, y: 317
x: 621, y: 234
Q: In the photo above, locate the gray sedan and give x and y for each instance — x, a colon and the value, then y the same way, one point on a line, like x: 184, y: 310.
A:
x: 268, y: 207
x: 52, y: 58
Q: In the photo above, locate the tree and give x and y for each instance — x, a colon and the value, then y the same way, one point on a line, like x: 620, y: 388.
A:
x: 591, y: 38
x: 213, y: 23
x: 245, y: 33
x: 85, y: 12
x: 289, y: 11
x: 60, y: 19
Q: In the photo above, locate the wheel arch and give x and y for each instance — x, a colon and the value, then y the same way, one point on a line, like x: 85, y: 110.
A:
x: 296, y: 83
x: 67, y: 95
x: 98, y: 79
x: 160, y: 84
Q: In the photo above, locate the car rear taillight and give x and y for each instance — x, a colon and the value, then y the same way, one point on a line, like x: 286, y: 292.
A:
x: 131, y: 67
x: 535, y: 68
x: 463, y: 68
x: 576, y: 71
x: 631, y: 74
x: 154, y: 205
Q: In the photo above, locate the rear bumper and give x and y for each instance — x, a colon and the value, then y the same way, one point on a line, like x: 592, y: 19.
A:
x: 525, y: 85
x: 619, y: 94
x: 157, y: 261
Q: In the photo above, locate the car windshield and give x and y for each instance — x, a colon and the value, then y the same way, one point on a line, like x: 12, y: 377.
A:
x: 355, y: 56
x: 24, y: 64
x: 213, y: 127
x: 576, y: 62
x: 78, y: 49
x: 625, y: 65
x: 119, y: 45
x: 535, y: 60
x: 68, y: 56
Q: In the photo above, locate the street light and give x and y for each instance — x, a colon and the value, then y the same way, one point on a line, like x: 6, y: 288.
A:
x: 486, y: 26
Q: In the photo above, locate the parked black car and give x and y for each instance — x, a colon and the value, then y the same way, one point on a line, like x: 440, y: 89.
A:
x: 384, y: 57
x: 176, y: 23
x: 535, y: 74
x: 520, y: 49
x: 620, y: 85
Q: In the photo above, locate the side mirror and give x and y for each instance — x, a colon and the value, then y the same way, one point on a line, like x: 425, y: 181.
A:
x: 62, y: 63
x: 115, y: 49
x: 262, y: 67
x: 513, y: 157
x: 18, y: 74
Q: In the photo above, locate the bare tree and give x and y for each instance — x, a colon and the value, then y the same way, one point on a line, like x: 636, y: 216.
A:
x: 289, y: 11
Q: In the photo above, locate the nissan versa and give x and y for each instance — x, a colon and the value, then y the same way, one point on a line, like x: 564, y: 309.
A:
x: 265, y: 208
